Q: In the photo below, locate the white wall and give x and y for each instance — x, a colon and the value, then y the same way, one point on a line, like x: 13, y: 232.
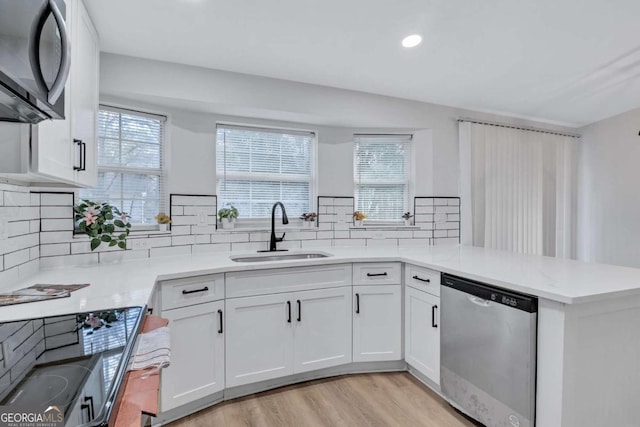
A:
x: 609, y: 191
x: 216, y: 92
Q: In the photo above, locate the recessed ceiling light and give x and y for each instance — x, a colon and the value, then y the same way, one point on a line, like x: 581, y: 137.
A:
x: 412, y: 40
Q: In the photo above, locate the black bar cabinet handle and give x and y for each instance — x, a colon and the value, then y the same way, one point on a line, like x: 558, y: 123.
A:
x: 357, y: 303
x: 433, y: 316
x: 299, y: 310
x: 92, y: 413
x: 85, y: 406
x: 220, y: 317
x: 186, y: 292
x: 83, y: 166
x: 421, y: 279
x: 289, y: 310
x: 78, y: 142
x: 376, y: 274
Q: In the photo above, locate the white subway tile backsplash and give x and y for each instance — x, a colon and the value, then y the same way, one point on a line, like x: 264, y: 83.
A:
x: 16, y: 258
x: 223, y: 237
x: 48, y: 237
x: 178, y: 230
x: 18, y: 228
x: 203, y: 229
x: 14, y: 198
x: 56, y: 199
x: 56, y: 212
x: 412, y: 243
x: 201, y: 239
x: 183, y: 240
x: 55, y: 249
x: 184, y: 220
x: 56, y: 224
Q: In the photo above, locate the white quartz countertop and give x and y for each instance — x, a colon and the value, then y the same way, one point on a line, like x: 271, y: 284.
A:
x: 131, y: 283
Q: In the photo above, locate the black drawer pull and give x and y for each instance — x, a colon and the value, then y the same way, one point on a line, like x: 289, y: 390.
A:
x: 289, y: 310
x: 185, y: 292
x: 376, y: 274
x: 299, y: 310
x: 92, y: 412
x: 79, y: 143
x: 85, y: 406
x: 421, y: 279
x: 357, y: 303
x: 433, y: 316
x: 220, y: 317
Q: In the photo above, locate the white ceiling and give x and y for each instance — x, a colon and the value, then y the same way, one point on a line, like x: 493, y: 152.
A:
x: 566, y: 61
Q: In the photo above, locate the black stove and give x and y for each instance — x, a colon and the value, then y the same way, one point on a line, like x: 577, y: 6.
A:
x: 73, y: 362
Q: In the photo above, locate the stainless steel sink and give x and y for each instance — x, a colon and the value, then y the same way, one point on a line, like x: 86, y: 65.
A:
x: 278, y: 257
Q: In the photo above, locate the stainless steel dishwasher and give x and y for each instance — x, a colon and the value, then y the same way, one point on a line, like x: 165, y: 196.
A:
x: 488, y: 352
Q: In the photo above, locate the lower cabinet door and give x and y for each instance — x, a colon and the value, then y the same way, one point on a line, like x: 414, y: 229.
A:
x: 377, y: 323
x: 322, y: 332
x: 259, y: 338
x: 197, y: 354
x: 422, y: 333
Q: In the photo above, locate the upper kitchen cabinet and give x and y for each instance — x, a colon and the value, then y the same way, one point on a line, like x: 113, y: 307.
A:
x: 62, y: 151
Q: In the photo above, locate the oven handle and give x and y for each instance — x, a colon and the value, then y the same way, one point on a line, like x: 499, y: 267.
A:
x: 49, y: 7
x: 65, y: 61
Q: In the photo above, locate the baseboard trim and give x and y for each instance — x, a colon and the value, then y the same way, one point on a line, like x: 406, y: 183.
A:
x: 245, y: 390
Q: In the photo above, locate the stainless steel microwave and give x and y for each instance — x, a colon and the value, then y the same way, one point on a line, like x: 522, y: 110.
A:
x: 35, y: 58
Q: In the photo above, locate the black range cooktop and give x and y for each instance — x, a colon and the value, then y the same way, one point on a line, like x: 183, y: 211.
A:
x: 74, y: 362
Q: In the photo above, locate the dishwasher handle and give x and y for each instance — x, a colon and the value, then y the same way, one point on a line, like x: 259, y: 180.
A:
x: 479, y: 301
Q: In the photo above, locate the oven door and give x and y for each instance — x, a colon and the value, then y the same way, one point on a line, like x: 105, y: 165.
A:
x: 34, y: 59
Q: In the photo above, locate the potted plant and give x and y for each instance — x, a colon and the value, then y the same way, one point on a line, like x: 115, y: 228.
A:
x: 163, y: 221
x: 407, y: 218
x: 358, y: 217
x: 308, y: 219
x: 103, y: 223
x: 227, y: 216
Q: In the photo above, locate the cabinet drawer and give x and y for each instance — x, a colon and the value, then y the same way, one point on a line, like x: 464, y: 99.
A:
x: 193, y: 290
x: 423, y: 279
x: 388, y: 273
x: 262, y: 282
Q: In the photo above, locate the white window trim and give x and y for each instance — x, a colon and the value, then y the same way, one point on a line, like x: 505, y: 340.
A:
x: 265, y: 223
x: 409, y: 182
x: 165, y: 118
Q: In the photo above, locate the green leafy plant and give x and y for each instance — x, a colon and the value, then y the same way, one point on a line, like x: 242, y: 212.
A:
x: 103, y: 223
x: 230, y: 212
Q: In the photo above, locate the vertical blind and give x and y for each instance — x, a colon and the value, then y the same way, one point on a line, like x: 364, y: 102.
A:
x: 256, y: 167
x: 382, y: 171
x: 130, y: 163
x: 519, y: 187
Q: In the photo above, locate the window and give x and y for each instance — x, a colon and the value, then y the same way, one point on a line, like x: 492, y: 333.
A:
x: 381, y: 168
x: 130, y: 163
x: 257, y: 167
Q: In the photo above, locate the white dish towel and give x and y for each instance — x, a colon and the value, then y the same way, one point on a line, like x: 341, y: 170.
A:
x: 153, y: 350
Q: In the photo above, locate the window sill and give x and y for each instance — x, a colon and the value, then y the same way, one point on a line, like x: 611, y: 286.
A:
x: 132, y: 234
x: 384, y: 227
x: 252, y: 228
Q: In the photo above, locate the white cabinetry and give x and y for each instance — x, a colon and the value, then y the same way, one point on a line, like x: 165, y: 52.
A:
x: 377, y: 323
x: 422, y: 332
x: 322, y: 332
x: 259, y: 338
x: 54, y: 155
x: 195, y: 309
x: 272, y: 336
x: 197, y: 354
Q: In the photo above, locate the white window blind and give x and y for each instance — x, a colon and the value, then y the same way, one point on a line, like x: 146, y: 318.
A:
x: 382, y: 175
x: 257, y: 167
x: 130, y: 163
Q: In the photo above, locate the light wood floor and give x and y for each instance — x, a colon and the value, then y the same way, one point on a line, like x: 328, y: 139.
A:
x: 385, y: 399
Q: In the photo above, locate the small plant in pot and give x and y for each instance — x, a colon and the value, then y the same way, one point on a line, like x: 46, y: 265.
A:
x: 163, y: 221
x: 103, y: 223
x: 308, y: 219
x: 407, y: 218
x: 358, y: 217
x: 227, y: 216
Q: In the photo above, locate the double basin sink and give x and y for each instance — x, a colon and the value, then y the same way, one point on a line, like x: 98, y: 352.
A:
x: 278, y: 256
